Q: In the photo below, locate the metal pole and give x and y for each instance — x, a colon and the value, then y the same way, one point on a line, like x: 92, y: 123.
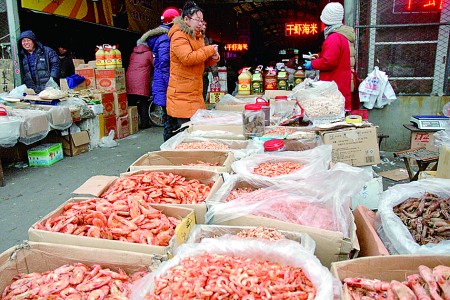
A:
x: 14, y: 31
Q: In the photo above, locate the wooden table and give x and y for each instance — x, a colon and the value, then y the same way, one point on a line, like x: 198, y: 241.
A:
x: 422, y: 156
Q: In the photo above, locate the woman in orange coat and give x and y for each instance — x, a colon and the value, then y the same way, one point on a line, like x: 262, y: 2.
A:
x: 188, y: 58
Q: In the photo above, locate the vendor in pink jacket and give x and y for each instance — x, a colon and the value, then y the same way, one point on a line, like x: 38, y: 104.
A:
x: 335, y: 59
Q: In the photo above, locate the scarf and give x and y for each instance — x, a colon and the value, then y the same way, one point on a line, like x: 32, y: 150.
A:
x: 330, y: 28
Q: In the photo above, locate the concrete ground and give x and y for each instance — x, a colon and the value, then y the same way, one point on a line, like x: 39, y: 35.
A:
x: 31, y: 193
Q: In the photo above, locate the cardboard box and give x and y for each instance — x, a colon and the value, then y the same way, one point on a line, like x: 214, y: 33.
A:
x: 35, y: 123
x: 110, y: 80
x: 186, y: 216
x: 331, y: 246
x: 180, y: 160
x: 370, y: 195
x: 64, y: 86
x: 107, y: 102
x: 423, y: 139
x: 101, y: 125
x: 89, y: 77
x: 354, y: 146
x: 110, y: 124
x: 271, y: 94
x: 369, y: 242
x: 33, y: 257
x: 443, y: 169
x: 77, y: 62
x: 123, y: 129
x: 386, y: 268
x: 45, y: 155
x: 76, y: 143
x: 133, y: 119
x: 120, y: 104
x: 230, y: 107
x: 97, y: 185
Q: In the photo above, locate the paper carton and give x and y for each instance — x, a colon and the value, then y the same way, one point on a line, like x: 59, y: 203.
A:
x: 110, y: 124
x: 108, y: 103
x: 369, y: 242
x: 110, y: 80
x: 120, y: 104
x: 64, y: 86
x: 186, y: 216
x: 97, y: 185
x: 354, y: 146
x: 133, y: 119
x: 386, y: 268
x: 33, y: 257
x: 331, y: 246
x: 423, y: 139
x: 222, y: 160
x: 45, y: 155
x: 443, y: 169
x: 123, y: 129
x: 76, y: 143
x: 89, y: 76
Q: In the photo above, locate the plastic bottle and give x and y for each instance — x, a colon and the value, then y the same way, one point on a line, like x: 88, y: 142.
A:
x: 270, y: 81
x: 244, y: 81
x: 257, y: 82
x: 282, y: 77
x: 118, y: 56
x: 110, y: 57
x: 299, y: 76
x: 265, y: 106
x: 100, y: 62
x: 253, y: 119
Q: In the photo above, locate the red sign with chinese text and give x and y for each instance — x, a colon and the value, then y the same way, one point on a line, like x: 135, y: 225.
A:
x: 418, y: 6
x: 237, y: 47
x: 301, y: 29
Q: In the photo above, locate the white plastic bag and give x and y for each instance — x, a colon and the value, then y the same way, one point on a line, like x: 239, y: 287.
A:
x: 375, y: 90
x: 284, y: 252
x: 108, y: 141
x: 394, y: 234
x: 18, y: 92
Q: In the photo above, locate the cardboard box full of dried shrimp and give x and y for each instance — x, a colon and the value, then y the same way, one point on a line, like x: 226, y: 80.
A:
x: 385, y: 268
x: 166, y: 192
x: 218, y: 161
x: 184, y: 215
x: 32, y: 257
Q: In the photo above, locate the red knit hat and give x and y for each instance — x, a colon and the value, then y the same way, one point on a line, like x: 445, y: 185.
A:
x: 169, y: 14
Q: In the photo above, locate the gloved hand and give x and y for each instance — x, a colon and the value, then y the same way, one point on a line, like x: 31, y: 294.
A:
x: 307, y: 65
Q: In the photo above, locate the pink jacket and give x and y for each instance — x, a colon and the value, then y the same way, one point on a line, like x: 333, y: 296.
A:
x: 139, y: 69
x: 334, y: 61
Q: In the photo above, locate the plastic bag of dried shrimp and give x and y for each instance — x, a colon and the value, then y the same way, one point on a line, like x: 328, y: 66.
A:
x: 307, y: 202
x: 287, y: 165
x: 413, y: 218
x: 196, y: 264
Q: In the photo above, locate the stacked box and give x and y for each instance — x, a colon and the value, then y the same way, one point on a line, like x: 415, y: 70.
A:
x: 133, y: 119
x: 110, y: 80
x: 45, y: 154
x: 89, y: 76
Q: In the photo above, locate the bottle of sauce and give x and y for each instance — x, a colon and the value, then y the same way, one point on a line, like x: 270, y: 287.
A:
x: 282, y: 79
x: 257, y: 82
x: 100, y: 58
x: 270, y: 81
x: 299, y: 76
x: 244, y: 81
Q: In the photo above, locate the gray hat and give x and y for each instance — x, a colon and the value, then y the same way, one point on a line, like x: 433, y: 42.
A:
x: 332, y: 14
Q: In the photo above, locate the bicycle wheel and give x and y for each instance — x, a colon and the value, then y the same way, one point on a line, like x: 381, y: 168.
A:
x: 156, y: 113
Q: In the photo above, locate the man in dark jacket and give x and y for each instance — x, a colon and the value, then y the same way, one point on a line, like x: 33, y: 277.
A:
x: 159, y: 43
x: 66, y: 59
x: 39, y: 62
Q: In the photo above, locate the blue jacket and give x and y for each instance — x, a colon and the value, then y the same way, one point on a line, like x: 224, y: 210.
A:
x: 46, y: 64
x: 159, y: 42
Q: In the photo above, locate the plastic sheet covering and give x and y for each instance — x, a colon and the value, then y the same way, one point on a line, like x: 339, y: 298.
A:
x: 92, y: 126
x: 9, y: 130
x: 442, y: 137
x: 216, y: 117
x: 85, y: 111
x: 201, y: 231
x: 60, y: 117
x: 307, y: 202
x: 230, y: 100
x: 313, y: 160
x: 320, y: 98
x: 34, y: 126
x: 283, y: 252
x: 394, y: 234
x: 239, y: 148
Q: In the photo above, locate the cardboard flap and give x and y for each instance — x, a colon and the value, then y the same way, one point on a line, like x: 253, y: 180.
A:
x: 95, y: 185
x: 80, y: 138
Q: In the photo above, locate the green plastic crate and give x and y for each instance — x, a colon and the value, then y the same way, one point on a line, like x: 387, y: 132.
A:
x: 45, y: 154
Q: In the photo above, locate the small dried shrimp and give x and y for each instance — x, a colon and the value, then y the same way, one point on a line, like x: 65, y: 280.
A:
x: 202, y: 146
x: 271, y: 169
x: 238, y: 192
x: 260, y: 232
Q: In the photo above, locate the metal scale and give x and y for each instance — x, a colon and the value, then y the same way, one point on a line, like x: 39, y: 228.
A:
x: 430, y: 122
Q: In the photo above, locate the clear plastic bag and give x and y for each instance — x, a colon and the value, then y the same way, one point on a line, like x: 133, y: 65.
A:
x: 285, y: 252
x: 307, y: 202
x: 108, y: 141
x: 59, y: 117
x: 85, y: 111
x: 18, y: 91
x: 216, y: 117
x: 394, y: 234
x: 9, y: 130
x: 34, y: 126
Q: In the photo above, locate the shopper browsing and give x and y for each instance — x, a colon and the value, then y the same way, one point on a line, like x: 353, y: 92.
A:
x: 159, y: 43
x: 188, y: 58
x: 39, y: 62
x: 337, y: 54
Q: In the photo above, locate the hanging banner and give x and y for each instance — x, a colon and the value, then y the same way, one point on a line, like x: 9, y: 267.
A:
x: 143, y: 14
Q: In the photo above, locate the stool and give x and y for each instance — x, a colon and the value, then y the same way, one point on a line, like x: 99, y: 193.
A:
x: 422, y: 156
x: 380, y: 139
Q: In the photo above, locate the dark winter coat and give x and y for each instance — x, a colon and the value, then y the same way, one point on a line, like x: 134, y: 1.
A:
x: 46, y: 64
x: 158, y: 41
x: 188, y: 58
x: 334, y: 62
x: 67, y: 66
x: 139, y: 70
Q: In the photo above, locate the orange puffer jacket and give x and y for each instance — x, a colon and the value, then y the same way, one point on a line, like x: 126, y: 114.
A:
x: 188, y: 58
